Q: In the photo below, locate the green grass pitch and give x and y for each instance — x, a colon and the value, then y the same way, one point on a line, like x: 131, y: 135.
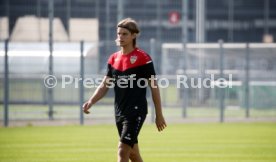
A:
x: 208, y: 142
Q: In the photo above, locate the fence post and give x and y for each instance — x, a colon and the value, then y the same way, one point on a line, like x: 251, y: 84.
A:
x: 221, y: 90
x: 184, y: 91
x: 120, y: 10
x: 50, y: 90
x: 107, y: 27
x: 152, y: 52
x: 81, y: 82
x: 246, y: 83
x: 6, y: 86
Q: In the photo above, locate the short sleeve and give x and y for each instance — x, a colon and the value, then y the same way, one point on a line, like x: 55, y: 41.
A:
x: 109, y: 67
x: 149, y: 68
x: 109, y: 71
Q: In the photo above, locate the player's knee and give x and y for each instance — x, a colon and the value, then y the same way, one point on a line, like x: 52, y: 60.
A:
x: 134, y: 156
x: 123, y: 152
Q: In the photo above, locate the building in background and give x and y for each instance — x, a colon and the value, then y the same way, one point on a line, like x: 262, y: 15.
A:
x: 230, y: 20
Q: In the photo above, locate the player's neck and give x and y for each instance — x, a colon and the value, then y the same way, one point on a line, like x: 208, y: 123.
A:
x: 127, y: 49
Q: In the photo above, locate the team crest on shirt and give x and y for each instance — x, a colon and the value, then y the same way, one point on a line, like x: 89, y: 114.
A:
x: 133, y: 59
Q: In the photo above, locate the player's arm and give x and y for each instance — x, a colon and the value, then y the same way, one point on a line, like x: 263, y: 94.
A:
x: 160, y: 121
x: 98, y: 94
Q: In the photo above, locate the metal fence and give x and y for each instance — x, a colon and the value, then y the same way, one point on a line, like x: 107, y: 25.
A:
x: 248, y: 68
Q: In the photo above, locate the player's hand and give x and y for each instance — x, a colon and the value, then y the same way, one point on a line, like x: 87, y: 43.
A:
x: 86, y: 106
x: 160, y: 123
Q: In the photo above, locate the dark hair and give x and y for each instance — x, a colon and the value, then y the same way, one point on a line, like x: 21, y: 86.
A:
x: 130, y: 25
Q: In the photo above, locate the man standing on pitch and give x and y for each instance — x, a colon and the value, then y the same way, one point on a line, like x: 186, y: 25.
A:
x: 130, y: 64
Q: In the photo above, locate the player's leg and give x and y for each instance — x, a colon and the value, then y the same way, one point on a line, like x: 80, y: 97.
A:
x: 135, y: 154
x: 123, y: 148
x: 128, y: 129
x: 123, y: 152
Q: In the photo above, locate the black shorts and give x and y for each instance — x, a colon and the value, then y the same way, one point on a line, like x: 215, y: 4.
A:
x: 129, y: 128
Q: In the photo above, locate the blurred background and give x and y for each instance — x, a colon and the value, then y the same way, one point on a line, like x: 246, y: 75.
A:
x: 199, y: 39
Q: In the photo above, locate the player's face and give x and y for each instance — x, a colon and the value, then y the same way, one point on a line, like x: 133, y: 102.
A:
x: 124, y: 37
